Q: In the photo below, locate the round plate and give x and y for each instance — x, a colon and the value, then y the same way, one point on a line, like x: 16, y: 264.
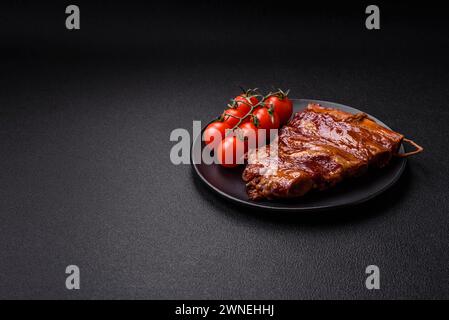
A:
x: 228, y: 182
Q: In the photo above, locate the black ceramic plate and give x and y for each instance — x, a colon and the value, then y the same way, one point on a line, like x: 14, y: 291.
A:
x: 228, y: 182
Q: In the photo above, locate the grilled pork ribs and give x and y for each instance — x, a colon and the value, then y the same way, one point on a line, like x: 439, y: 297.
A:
x: 317, y: 149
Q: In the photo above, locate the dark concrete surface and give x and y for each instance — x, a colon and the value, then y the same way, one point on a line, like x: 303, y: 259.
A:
x: 85, y: 119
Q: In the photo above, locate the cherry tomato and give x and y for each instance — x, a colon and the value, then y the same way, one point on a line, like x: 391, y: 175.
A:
x: 243, y: 103
x: 230, y: 152
x: 243, y: 106
x: 266, y: 118
x: 249, y: 131
x: 246, y: 100
x: 215, y: 129
x: 244, y: 97
x: 282, y: 105
x: 229, y: 116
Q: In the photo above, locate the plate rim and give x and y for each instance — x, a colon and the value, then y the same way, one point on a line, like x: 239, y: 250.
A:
x: 254, y: 204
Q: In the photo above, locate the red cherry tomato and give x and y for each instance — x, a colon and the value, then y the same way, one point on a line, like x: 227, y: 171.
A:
x: 243, y: 106
x: 230, y: 152
x: 244, y: 97
x: 249, y: 131
x: 229, y: 116
x: 243, y: 100
x: 215, y: 129
x: 282, y: 105
x: 266, y: 118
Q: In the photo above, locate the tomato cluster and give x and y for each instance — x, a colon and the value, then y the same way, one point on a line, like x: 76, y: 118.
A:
x: 246, y: 115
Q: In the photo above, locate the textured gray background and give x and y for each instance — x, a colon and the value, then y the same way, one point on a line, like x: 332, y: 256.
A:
x: 87, y: 180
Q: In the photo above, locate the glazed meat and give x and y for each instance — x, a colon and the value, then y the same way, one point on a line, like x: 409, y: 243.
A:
x: 317, y: 149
